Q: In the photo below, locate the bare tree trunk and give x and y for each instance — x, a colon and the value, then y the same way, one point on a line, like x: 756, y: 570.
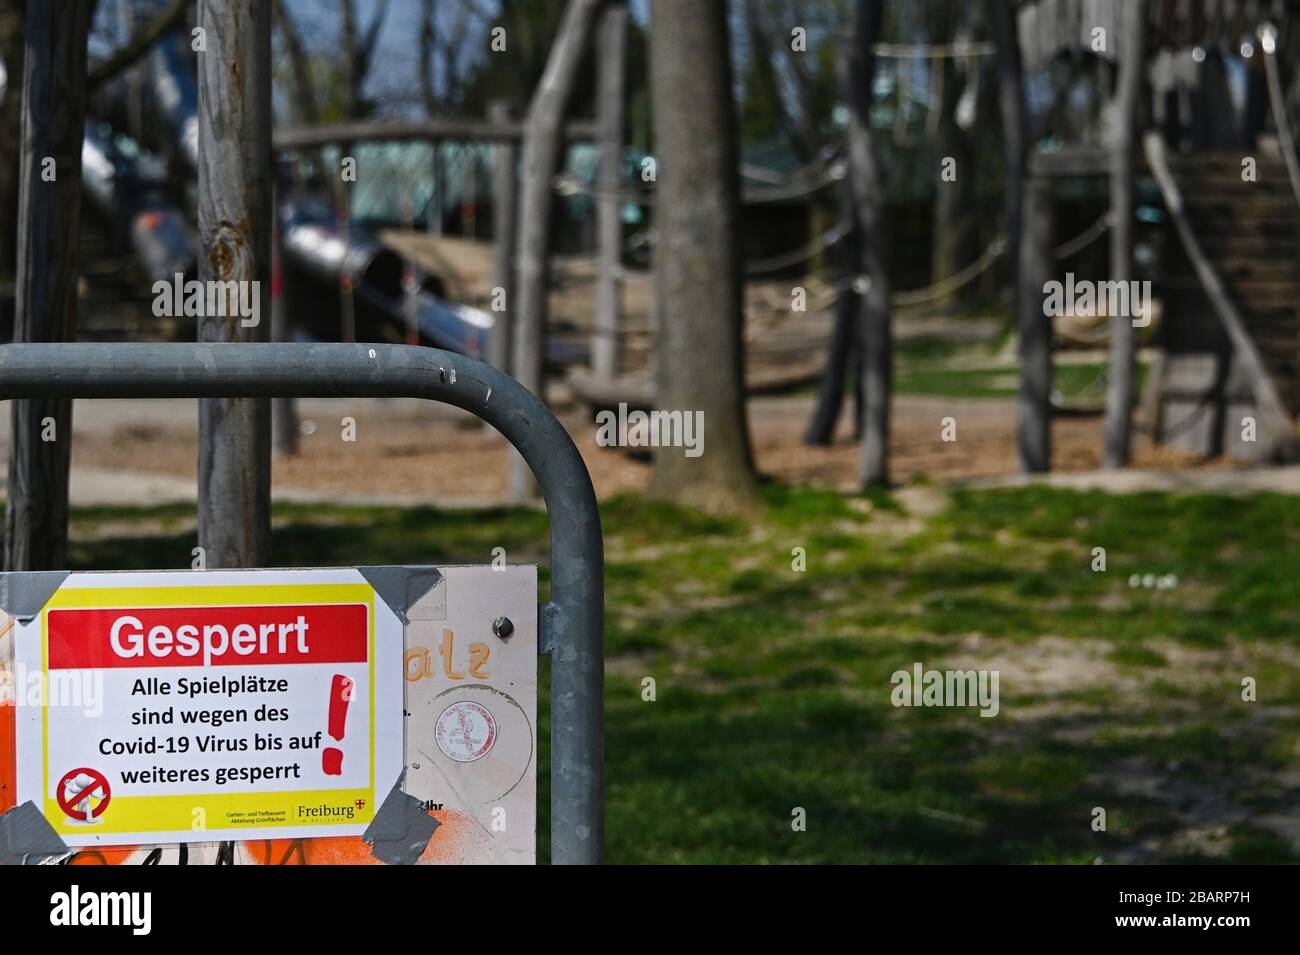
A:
x: 428, y: 45
x: 699, y: 355
x: 45, y: 309
x: 612, y: 50
x: 799, y: 131
x: 846, y: 338
x: 1034, y: 407
x: 541, y: 157
x: 1034, y: 330
x: 800, y: 126
x: 1011, y: 102
x: 868, y: 211
x: 842, y: 343
x: 505, y: 202
x: 956, y: 219
x: 235, y: 217
x: 1121, y: 387
x: 11, y: 120
x: 350, y: 45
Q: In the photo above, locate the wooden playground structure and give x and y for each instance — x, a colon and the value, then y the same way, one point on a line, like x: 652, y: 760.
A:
x: 1177, y: 137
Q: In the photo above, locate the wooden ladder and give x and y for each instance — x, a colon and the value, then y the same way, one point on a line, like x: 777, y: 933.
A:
x: 1231, y: 292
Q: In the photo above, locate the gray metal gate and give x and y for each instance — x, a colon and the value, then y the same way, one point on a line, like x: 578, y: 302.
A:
x: 571, y: 626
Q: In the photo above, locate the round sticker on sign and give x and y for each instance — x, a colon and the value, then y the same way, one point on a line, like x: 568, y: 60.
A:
x: 465, y: 731
x: 83, y: 794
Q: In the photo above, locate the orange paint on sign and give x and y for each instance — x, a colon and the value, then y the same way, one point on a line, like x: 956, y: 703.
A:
x: 417, y: 666
x: 108, y: 855
x: 445, y: 846
x: 8, y: 756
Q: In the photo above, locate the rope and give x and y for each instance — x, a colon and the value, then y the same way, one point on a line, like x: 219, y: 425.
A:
x: 995, y: 250
x: 1085, y: 238
x: 819, y: 244
x: 816, y: 304
x: 826, y: 298
x: 831, y: 293
x: 567, y: 184
x: 913, y: 297
x: 794, y: 186
x: 830, y: 172
x: 928, y: 293
x: 953, y: 282
x: 814, y: 167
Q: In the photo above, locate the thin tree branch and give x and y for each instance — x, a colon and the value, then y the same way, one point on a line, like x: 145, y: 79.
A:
x: 304, y: 91
x: 372, y: 34
x: 351, y: 58
x: 139, y: 45
x: 428, y: 43
x: 765, y: 74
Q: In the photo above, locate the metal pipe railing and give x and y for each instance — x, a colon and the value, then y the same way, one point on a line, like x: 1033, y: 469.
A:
x: 571, y: 626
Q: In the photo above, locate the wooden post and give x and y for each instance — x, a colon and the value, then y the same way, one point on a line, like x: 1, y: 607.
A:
x: 843, y: 340
x: 1029, y: 272
x: 505, y: 183
x: 872, y: 276
x: 1011, y: 101
x: 11, y: 120
x: 343, y: 223
x: 284, y: 411
x: 612, y: 53
x: 410, y: 273
x: 956, y: 213
x: 541, y: 156
x: 435, y: 195
x: 45, y: 307
x: 1121, y: 387
x: 235, y: 216
x: 1034, y: 407
x: 469, y: 209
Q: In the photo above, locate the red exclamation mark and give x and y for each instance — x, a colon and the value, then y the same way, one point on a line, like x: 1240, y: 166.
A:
x: 340, y: 695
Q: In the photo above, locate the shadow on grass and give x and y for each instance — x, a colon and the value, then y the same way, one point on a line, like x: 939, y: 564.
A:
x: 772, y: 686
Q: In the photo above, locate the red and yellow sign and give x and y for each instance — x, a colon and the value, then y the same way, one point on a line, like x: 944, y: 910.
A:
x: 196, y: 707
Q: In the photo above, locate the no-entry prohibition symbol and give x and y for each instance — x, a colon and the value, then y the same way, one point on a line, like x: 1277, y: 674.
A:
x: 77, y: 788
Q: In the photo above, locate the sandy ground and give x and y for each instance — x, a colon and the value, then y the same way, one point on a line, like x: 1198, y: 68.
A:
x: 142, y: 452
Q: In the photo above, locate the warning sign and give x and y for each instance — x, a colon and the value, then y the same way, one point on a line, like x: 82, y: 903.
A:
x: 226, y: 705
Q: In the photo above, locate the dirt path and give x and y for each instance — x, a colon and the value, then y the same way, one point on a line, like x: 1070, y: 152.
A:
x: 410, y: 452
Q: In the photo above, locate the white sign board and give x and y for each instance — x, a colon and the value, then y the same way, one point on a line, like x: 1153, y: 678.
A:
x: 471, y: 716
x: 214, y: 705
x: 255, y: 706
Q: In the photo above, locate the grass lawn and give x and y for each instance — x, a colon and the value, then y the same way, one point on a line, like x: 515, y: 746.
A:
x: 1069, y: 380
x: 773, y: 686
x: 940, y: 367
